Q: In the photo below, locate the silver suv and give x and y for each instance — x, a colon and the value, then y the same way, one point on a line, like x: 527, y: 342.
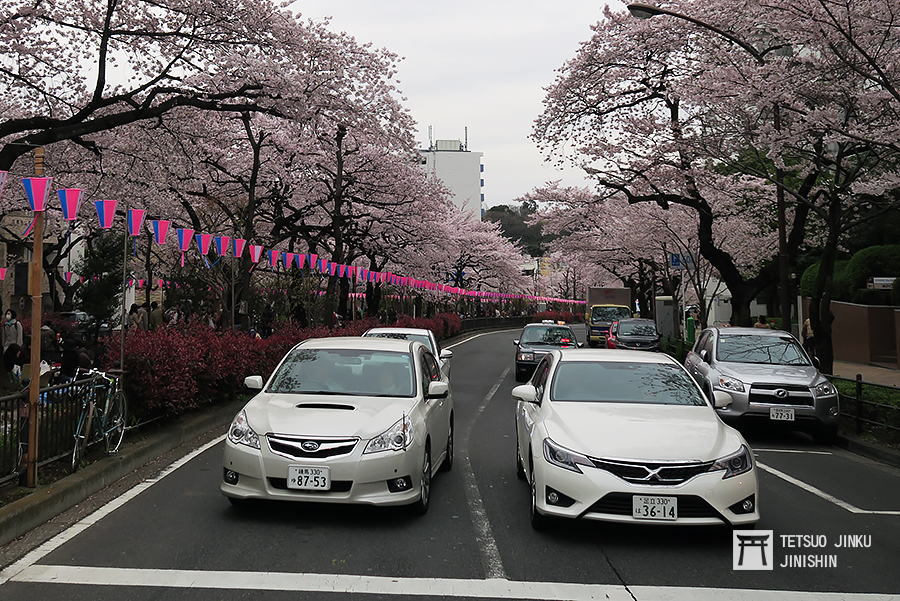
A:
x: 769, y: 377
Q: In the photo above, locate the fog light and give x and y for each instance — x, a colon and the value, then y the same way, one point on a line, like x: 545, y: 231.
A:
x: 231, y: 476
x: 747, y: 505
x: 834, y: 411
x: 399, y: 484
x: 744, y: 506
x: 553, y: 498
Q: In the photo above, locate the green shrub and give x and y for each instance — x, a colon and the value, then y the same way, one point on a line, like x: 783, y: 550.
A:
x: 874, y: 261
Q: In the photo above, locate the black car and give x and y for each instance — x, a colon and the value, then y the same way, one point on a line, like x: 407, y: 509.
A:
x: 636, y: 334
x: 536, y: 341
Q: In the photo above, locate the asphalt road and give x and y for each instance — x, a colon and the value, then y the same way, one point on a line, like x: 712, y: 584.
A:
x: 175, y: 537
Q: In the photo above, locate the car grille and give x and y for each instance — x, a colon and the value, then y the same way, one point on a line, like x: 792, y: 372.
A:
x: 336, y: 486
x: 298, y: 447
x: 621, y: 503
x: 665, y: 474
x: 781, y: 394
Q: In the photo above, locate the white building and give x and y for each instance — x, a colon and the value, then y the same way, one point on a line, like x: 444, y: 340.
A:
x: 460, y: 170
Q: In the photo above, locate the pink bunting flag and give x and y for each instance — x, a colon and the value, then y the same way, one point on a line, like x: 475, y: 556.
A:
x: 135, y: 221
x: 288, y: 260
x: 184, y: 241
x: 237, y: 245
x: 204, y: 241
x: 37, y: 189
x: 300, y: 260
x: 2, y: 273
x: 70, y: 200
x: 313, y: 263
x: 3, y: 175
x: 106, y: 211
x: 222, y: 245
x: 255, y: 253
x: 160, y: 230
x: 68, y: 276
x: 273, y: 258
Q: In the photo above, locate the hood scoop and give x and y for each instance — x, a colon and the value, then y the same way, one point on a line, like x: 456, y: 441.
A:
x: 325, y: 406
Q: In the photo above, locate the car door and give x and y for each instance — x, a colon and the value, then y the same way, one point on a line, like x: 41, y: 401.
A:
x: 527, y: 413
x: 437, y: 411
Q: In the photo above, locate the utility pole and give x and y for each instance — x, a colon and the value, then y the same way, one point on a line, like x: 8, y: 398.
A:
x: 34, y: 289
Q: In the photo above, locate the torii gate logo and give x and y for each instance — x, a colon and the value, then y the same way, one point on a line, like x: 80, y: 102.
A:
x: 753, y: 550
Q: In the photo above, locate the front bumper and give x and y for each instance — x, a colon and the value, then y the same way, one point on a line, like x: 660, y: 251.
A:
x: 823, y: 410
x: 355, y: 477
x: 595, y: 494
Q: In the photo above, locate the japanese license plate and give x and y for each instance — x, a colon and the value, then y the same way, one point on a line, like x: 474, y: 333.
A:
x: 781, y: 414
x: 308, y: 478
x: 654, y: 508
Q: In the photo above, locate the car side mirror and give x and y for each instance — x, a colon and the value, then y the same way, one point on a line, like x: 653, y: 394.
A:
x: 253, y: 382
x: 438, y: 390
x: 525, y: 393
x: 704, y: 356
x: 816, y: 363
x: 446, y: 354
x: 721, y: 399
x: 515, y: 343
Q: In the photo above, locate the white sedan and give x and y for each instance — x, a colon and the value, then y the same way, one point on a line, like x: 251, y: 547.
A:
x: 343, y: 420
x: 422, y: 335
x: 628, y: 436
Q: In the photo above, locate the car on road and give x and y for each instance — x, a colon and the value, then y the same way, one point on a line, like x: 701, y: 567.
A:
x: 628, y: 436
x: 634, y: 334
x: 422, y: 335
x: 536, y: 340
x: 769, y: 378
x: 343, y: 420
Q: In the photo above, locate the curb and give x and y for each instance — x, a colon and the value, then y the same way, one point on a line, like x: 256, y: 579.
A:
x: 885, y: 455
x: 27, y: 513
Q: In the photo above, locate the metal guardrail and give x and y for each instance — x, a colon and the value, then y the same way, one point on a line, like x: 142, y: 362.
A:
x: 866, y: 411
x: 59, y: 406
x: 480, y: 323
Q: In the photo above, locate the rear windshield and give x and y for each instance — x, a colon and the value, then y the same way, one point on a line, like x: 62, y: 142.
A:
x: 550, y: 335
x: 619, y: 382
x: 766, y: 350
x: 637, y: 329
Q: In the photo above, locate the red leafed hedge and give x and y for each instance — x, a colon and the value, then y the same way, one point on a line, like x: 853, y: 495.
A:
x: 173, y: 369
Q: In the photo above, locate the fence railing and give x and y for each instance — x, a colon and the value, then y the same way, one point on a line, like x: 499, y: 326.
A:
x: 868, y: 404
x: 59, y: 408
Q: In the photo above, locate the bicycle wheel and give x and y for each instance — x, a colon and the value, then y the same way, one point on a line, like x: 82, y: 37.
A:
x: 81, y: 438
x: 114, y: 422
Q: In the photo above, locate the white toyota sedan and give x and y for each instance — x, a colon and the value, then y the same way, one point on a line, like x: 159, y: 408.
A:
x: 423, y: 335
x: 343, y: 420
x: 628, y: 436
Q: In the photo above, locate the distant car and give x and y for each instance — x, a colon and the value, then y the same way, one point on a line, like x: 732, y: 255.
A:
x: 768, y: 376
x: 422, y: 335
x: 536, y: 340
x: 636, y: 334
x: 611, y: 335
x: 343, y: 420
x: 627, y: 436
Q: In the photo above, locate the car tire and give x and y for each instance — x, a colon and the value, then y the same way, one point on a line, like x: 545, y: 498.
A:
x: 539, y: 521
x: 420, y: 507
x: 447, y: 464
x: 826, y: 434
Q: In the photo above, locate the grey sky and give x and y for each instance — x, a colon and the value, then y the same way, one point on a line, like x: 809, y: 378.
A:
x: 476, y: 64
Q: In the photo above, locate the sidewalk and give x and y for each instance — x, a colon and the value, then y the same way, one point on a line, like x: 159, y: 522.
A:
x: 870, y: 373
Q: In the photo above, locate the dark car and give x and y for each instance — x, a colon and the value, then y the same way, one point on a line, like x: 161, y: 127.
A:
x: 636, y: 334
x: 83, y: 326
x: 536, y: 340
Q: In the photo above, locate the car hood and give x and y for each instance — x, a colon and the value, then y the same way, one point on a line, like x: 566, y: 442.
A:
x: 641, y: 432
x: 754, y: 373
x: 325, y: 415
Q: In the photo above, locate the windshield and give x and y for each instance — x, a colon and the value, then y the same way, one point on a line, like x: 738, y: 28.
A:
x: 423, y: 338
x: 619, y: 382
x: 345, y: 372
x: 550, y: 335
x: 637, y: 329
x: 609, y: 314
x: 767, y: 350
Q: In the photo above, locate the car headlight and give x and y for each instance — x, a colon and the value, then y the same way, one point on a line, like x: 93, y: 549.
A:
x: 395, y: 438
x: 732, y: 384
x: 734, y: 465
x: 524, y: 357
x: 825, y: 388
x: 564, y: 458
x: 240, y: 431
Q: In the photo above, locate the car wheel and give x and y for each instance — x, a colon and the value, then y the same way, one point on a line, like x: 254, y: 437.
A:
x: 538, y: 520
x: 447, y: 465
x: 825, y: 435
x: 421, y: 506
x: 520, y: 468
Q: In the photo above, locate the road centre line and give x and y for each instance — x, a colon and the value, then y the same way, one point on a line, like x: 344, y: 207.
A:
x: 487, y: 545
x: 411, y: 587
x: 821, y: 493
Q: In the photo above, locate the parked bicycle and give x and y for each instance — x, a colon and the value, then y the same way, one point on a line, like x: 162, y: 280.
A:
x: 105, y: 403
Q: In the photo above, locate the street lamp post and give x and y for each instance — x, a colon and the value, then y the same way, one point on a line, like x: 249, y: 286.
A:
x: 646, y: 11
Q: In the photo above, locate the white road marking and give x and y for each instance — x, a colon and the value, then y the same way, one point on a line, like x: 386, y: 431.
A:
x: 474, y: 336
x: 800, y: 451
x: 487, y: 545
x: 821, y: 493
x: 410, y: 587
x: 63, y: 537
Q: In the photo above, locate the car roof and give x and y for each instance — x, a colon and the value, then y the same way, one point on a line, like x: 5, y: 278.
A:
x: 735, y: 331
x: 637, y: 320
x: 359, y: 343
x: 546, y: 325
x: 387, y: 330
x: 613, y: 355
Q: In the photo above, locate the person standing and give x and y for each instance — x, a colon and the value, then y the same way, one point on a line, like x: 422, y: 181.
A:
x: 809, y: 337
x: 12, y: 330
x: 144, y: 314
x: 156, y: 315
x: 134, y: 319
x: 762, y: 323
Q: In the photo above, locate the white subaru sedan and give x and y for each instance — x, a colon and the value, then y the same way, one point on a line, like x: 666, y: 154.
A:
x: 628, y: 436
x: 343, y: 420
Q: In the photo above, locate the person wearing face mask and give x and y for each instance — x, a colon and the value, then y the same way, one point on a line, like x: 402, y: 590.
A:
x: 12, y: 330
